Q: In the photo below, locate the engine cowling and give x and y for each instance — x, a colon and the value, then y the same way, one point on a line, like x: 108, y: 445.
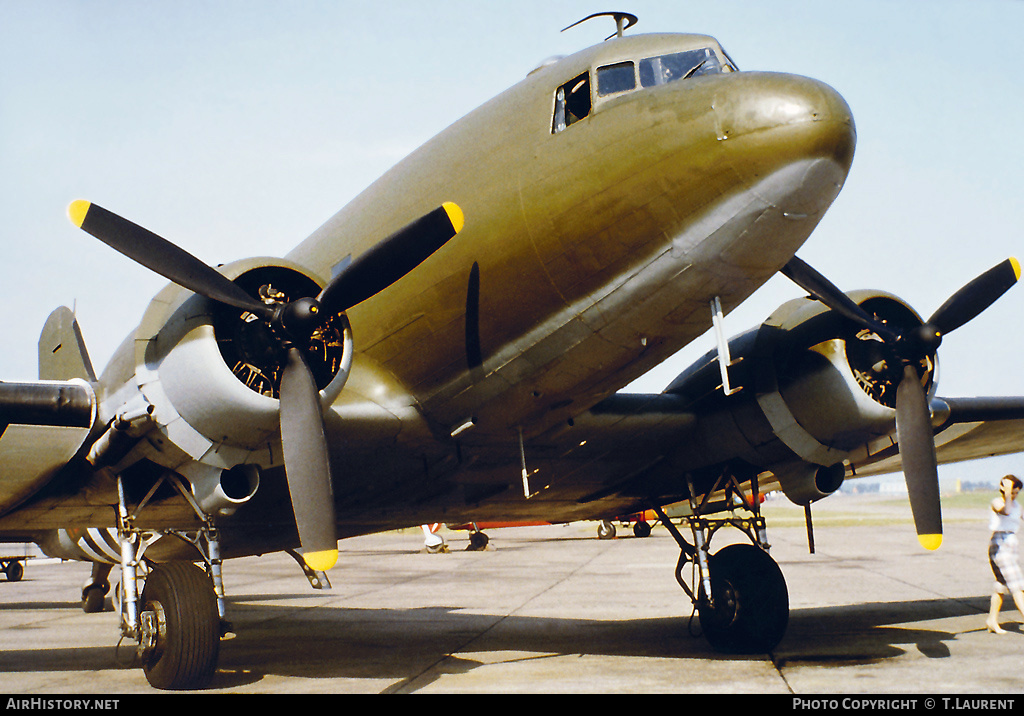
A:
x: 816, y: 390
x: 269, y: 339
x: 212, y: 373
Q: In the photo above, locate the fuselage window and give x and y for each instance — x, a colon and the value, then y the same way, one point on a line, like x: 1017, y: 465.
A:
x: 616, y: 78
x: 681, y: 65
x: 572, y: 102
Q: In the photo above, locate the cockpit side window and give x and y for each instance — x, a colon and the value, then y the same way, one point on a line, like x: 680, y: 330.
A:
x: 611, y: 79
x: 572, y: 102
x: 678, y: 66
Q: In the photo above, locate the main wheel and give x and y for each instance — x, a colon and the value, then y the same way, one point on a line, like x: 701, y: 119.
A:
x: 188, y: 627
x: 751, y: 602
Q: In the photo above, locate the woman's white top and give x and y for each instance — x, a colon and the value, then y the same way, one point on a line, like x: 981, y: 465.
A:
x: 1006, y: 523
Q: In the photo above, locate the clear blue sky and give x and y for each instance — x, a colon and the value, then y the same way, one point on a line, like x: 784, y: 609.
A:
x: 235, y: 128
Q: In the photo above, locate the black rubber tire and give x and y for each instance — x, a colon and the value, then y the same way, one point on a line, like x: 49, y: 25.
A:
x: 185, y: 656
x: 15, y: 571
x: 606, y: 530
x: 94, y: 600
x: 642, y: 529
x: 751, y: 601
x: 477, y: 542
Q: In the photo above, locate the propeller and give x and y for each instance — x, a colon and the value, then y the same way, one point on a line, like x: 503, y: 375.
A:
x: 913, y: 345
x: 304, y: 444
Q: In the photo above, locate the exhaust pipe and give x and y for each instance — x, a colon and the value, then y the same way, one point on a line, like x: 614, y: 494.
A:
x: 810, y: 483
x: 229, y: 490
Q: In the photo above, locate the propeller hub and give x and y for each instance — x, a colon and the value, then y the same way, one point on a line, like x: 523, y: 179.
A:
x: 923, y: 341
x: 929, y: 336
x: 300, y: 318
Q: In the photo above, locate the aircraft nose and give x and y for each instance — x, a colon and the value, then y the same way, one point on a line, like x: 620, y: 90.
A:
x: 792, y: 115
x: 790, y: 139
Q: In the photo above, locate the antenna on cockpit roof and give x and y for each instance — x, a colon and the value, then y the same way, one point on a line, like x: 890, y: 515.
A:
x: 620, y: 18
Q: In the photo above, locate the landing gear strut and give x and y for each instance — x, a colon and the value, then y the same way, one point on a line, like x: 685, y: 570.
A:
x: 179, y: 618
x: 739, y: 592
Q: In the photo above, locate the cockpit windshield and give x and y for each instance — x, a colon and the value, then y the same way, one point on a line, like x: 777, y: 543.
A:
x: 622, y: 76
x: 680, y: 65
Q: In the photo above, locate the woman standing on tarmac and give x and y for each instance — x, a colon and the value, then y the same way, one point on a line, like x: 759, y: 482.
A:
x: 1002, y: 551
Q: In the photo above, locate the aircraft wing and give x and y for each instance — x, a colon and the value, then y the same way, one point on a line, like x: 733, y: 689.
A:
x: 42, y: 426
x: 616, y: 454
x: 611, y: 459
x: 649, y: 433
x: 971, y: 428
x: 641, y: 421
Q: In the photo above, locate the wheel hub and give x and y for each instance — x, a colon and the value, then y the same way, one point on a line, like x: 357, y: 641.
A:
x: 153, y: 632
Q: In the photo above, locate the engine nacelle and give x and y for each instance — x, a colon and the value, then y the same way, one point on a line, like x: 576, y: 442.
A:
x: 815, y: 389
x: 211, y: 372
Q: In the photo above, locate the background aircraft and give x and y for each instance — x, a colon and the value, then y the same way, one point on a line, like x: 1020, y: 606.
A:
x: 947, y: 387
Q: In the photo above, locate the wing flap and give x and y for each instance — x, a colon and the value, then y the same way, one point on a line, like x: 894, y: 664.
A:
x: 30, y: 455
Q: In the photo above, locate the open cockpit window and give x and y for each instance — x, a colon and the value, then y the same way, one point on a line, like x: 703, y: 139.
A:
x: 678, y: 66
x: 572, y: 102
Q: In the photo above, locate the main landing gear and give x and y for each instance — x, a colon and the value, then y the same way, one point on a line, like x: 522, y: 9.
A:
x: 739, y: 592
x: 179, y: 618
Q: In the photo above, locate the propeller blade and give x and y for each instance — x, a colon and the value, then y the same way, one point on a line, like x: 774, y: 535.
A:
x: 160, y: 255
x: 917, y: 451
x: 306, y: 463
x: 975, y: 297
x: 804, y: 276
x: 392, y: 258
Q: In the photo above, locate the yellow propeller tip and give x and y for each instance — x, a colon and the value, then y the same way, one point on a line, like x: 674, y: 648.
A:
x: 1016, y: 267
x: 455, y: 215
x: 930, y: 542
x: 321, y: 561
x: 77, y: 211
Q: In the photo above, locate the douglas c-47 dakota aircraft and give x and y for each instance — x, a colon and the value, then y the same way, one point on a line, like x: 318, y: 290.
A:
x: 448, y: 347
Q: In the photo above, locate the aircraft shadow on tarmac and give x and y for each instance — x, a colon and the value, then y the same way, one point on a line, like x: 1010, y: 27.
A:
x: 415, y: 646
x: 39, y: 606
x: 410, y: 644
x: 865, y: 633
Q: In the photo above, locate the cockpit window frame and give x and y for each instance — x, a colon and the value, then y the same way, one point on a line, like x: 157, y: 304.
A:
x: 573, y: 102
